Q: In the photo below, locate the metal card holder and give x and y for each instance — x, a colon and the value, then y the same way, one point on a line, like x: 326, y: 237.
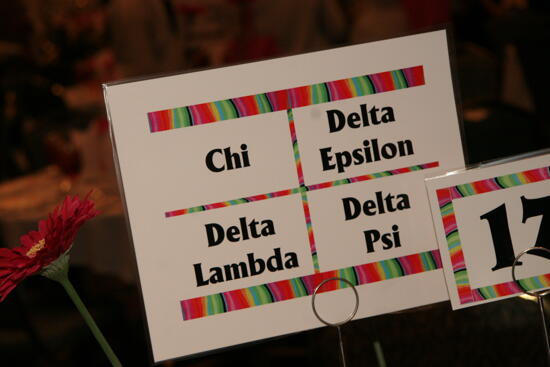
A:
x: 538, y: 295
x: 337, y: 324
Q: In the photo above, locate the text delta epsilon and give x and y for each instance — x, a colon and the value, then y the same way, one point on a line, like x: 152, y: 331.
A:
x: 372, y: 150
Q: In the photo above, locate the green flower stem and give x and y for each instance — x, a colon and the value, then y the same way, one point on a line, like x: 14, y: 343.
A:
x: 90, y: 321
x: 59, y: 271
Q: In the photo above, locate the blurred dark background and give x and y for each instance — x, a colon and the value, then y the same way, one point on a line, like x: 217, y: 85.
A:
x: 54, y: 55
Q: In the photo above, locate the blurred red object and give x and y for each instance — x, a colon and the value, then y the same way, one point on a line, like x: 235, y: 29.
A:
x: 426, y: 13
x: 63, y: 153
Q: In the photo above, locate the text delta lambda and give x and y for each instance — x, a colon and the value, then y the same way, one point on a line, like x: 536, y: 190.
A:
x: 245, y: 230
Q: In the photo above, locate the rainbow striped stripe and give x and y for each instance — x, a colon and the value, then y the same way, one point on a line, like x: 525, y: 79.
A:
x: 271, y: 195
x: 304, y: 286
x: 373, y: 176
x: 305, y: 204
x: 295, y: 148
x: 445, y: 199
x: 310, y: 234
x: 233, y: 108
x: 223, y: 204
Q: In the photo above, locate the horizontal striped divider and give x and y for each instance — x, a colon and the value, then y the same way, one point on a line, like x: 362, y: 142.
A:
x: 324, y: 185
x: 285, y: 99
x: 304, y: 286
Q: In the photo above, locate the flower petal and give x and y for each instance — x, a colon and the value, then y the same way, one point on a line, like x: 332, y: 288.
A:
x: 4, y: 291
x: 57, y: 233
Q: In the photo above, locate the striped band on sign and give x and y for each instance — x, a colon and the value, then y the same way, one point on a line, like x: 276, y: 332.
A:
x: 285, y: 99
x: 271, y: 195
x: 304, y: 286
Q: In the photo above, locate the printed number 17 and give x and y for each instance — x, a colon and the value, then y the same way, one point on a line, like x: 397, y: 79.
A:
x: 500, y: 231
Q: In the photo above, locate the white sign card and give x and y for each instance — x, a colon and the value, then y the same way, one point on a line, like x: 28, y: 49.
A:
x: 484, y: 217
x: 247, y: 186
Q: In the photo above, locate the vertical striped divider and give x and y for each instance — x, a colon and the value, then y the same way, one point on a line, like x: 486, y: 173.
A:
x: 446, y: 196
x: 304, y: 286
x: 285, y: 99
x: 303, y: 189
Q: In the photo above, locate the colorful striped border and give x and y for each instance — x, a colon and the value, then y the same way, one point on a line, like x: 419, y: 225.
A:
x: 303, y: 189
x: 285, y: 99
x: 373, y: 176
x: 271, y: 195
x: 445, y: 198
x: 310, y: 235
x: 295, y: 149
x: 304, y: 286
